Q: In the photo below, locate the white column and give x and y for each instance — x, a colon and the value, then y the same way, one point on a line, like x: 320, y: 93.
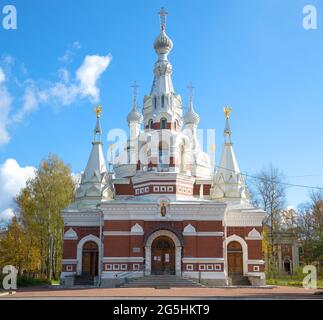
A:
x: 178, y: 262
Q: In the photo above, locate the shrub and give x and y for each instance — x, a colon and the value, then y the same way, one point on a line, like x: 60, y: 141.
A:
x: 23, y: 281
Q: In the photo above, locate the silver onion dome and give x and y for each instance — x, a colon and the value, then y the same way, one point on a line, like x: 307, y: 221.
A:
x: 134, y: 116
x: 163, y: 44
x: 191, y: 117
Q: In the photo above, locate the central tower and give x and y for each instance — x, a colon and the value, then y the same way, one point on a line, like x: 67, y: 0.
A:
x: 162, y: 108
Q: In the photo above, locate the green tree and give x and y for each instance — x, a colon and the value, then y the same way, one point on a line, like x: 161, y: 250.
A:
x: 40, y: 204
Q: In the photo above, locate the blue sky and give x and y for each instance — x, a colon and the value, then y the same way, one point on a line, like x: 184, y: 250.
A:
x: 254, y: 56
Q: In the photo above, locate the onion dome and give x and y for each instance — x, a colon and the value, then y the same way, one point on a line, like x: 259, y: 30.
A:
x: 134, y: 115
x: 163, y: 44
x: 192, y: 117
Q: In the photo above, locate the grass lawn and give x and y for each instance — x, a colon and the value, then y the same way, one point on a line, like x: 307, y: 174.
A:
x: 291, y: 281
x: 55, y: 282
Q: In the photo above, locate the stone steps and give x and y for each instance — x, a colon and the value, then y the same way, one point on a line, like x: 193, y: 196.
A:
x: 84, y: 280
x: 239, y: 280
x: 158, y: 281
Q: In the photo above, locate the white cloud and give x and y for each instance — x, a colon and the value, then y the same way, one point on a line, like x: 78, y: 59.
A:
x: 13, y: 178
x: 5, y: 107
x: 89, y: 73
x: 30, y: 103
x: 65, y: 91
x: 2, y: 76
x: 70, y: 52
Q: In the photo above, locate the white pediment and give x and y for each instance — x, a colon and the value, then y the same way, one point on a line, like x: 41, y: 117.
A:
x: 137, y: 228
x: 189, y: 229
x: 254, y: 235
x: 70, y: 234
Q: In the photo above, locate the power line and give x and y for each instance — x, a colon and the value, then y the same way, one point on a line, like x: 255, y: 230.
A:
x: 283, y: 183
x: 306, y: 175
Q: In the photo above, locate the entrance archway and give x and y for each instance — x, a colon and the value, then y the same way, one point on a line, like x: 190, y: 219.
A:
x: 163, y: 256
x: 287, y: 266
x: 177, y: 246
x: 235, y: 258
x: 90, y: 259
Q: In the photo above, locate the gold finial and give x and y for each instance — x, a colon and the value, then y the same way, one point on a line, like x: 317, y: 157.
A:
x: 98, y: 111
x: 227, y: 111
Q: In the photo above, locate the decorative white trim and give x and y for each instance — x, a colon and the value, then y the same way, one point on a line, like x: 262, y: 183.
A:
x: 137, y: 228
x: 69, y: 268
x: 244, y: 246
x: 67, y: 274
x: 116, y: 266
x: 254, y: 235
x: 256, y: 268
x: 217, y: 267
x: 80, y: 245
x: 202, y: 260
x: 69, y: 261
x: 204, y: 275
x: 189, y: 267
x: 241, y: 217
x: 123, y: 259
x: 108, y: 267
x: 189, y: 229
x: 204, y: 234
x: 70, y: 234
x: 256, y: 261
x: 185, y: 210
x: 121, y: 274
x: 178, y: 249
x: 136, y: 266
x: 122, y: 233
x: 74, y: 217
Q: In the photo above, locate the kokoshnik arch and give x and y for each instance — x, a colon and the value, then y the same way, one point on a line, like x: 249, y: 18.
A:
x: 162, y: 209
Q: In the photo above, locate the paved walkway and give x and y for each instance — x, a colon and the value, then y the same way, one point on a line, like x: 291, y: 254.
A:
x: 283, y: 292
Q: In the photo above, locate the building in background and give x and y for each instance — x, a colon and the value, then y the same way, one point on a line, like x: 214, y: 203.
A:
x: 163, y: 209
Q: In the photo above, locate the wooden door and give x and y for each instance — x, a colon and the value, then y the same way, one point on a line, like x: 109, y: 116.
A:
x: 163, y: 256
x: 235, y: 258
x: 90, y: 259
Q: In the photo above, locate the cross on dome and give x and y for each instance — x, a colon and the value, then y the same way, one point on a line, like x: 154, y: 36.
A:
x: 190, y: 88
x: 135, y: 88
x: 162, y: 13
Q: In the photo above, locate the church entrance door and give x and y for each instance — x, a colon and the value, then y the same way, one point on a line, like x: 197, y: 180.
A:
x: 163, y: 256
x: 90, y: 259
x: 235, y: 260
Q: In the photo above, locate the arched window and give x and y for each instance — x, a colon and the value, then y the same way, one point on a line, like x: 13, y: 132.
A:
x: 162, y: 101
x: 150, y: 124
x: 176, y: 124
x: 163, y: 123
x: 155, y: 102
